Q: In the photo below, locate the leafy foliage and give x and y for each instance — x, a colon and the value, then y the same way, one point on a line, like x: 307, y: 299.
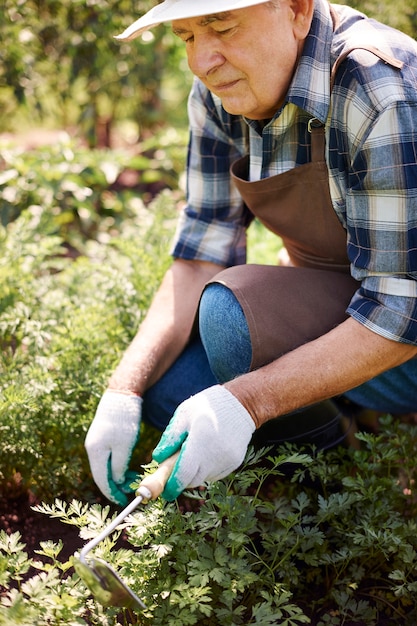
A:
x: 333, y: 542
x: 333, y: 545
x: 64, y: 322
x: 82, y: 189
x: 101, y: 83
x: 80, y: 258
x: 389, y: 12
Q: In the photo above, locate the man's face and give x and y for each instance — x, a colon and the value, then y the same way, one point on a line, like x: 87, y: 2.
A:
x: 247, y: 57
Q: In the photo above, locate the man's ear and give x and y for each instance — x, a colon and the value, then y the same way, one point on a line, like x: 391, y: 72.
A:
x: 302, y: 11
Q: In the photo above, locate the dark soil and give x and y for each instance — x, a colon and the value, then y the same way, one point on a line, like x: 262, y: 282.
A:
x: 16, y: 514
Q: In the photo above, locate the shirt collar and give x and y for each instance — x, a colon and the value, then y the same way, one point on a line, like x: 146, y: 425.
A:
x: 310, y: 87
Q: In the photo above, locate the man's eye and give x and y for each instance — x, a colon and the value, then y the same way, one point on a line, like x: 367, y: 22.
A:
x: 184, y: 36
x: 225, y: 31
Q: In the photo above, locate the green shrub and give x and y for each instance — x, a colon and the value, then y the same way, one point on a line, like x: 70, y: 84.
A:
x: 63, y: 326
x: 333, y: 546
x: 102, y: 82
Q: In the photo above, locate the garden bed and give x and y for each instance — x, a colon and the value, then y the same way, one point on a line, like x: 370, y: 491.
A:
x: 17, y: 515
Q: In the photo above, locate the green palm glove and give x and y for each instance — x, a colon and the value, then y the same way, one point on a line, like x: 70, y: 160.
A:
x: 213, y: 431
x: 110, y: 441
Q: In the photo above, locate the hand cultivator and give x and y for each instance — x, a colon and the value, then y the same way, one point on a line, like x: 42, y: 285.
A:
x: 102, y: 580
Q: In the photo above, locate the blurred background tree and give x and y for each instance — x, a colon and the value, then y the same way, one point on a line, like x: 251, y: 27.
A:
x: 60, y: 67
x: 401, y: 15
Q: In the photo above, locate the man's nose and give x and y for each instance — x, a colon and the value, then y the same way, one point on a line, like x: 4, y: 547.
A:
x: 204, y: 57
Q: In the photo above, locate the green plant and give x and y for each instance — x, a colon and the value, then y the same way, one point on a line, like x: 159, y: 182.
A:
x: 63, y: 326
x: 263, y: 245
x: 102, y: 83
x: 83, y: 189
x: 292, y: 538
x: 50, y: 595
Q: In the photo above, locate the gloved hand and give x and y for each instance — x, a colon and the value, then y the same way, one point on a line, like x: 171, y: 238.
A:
x: 213, y: 430
x: 110, y: 440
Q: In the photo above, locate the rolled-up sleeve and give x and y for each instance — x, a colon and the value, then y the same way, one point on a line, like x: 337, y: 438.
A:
x: 381, y: 219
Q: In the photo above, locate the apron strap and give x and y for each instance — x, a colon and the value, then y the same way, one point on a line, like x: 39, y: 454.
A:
x: 315, y: 126
x: 387, y: 58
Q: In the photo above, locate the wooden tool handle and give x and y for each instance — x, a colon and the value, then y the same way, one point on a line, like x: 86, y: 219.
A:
x: 156, y: 482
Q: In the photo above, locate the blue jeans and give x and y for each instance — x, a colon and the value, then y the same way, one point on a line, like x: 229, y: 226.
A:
x: 224, y: 352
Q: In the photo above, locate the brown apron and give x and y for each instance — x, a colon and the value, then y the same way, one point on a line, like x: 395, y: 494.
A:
x: 297, y: 206
x: 286, y: 307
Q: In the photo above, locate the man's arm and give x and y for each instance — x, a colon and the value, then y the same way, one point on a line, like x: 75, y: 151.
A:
x: 166, y: 328
x: 218, y: 423
x: 163, y: 335
x: 344, y: 358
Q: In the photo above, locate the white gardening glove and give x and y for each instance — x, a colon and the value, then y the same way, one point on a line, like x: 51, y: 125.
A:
x: 110, y: 441
x: 213, y: 430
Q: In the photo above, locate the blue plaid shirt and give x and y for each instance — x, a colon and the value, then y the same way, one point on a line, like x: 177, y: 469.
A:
x: 371, y: 128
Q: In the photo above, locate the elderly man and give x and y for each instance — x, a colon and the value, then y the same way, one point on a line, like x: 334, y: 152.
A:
x: 302, y: 114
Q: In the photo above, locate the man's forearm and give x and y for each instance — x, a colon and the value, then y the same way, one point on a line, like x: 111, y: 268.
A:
x: 342, y: 359
x: 166, y: 328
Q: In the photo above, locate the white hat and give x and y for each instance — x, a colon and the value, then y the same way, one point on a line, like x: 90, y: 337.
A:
x: 181, y: 9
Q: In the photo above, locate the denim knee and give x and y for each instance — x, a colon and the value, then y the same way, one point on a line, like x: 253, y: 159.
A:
x: 189, y: 374
x: 224, y: 333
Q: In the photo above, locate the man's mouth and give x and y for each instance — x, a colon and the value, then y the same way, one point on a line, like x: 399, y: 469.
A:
x: 225, y: 86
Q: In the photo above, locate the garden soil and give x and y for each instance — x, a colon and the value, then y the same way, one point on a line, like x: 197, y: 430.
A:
x: 17, y: 515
